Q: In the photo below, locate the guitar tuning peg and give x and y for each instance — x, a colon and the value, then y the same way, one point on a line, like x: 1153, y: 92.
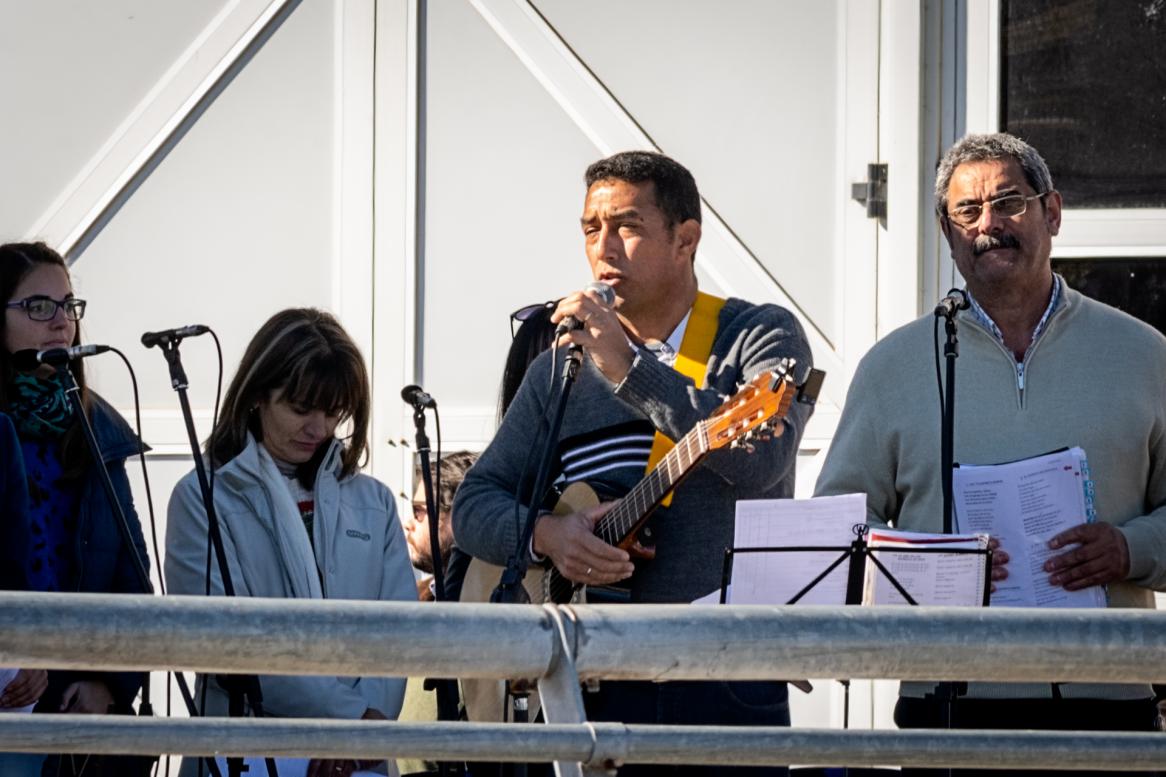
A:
x: 749, y: 447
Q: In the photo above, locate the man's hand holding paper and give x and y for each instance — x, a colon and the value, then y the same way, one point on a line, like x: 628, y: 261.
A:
x: 1000, y: 561
x: 1102, y: 556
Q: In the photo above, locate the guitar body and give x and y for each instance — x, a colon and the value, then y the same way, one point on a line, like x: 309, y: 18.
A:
x: 485, y: 699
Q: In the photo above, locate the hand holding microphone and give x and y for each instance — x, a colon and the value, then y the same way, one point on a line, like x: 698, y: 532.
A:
x: 587, y: 320
x: 601, y: 291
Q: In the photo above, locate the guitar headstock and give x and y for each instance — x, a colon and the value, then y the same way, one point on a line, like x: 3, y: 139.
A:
x: 754, y: 412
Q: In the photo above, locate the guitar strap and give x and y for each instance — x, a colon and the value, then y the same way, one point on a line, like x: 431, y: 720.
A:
x: 691, y: 362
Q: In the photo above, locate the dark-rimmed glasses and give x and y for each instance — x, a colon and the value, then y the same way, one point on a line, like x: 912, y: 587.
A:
x: 1007, y: 206
x: 43, y: 308
x: 526, y: 313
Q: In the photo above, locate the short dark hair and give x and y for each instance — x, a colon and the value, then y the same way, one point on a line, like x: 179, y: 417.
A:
x: 676, y: 193
x: 454, y: 467
x: 306, y: 355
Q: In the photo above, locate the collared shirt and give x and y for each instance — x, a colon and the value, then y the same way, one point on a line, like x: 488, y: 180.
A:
x: 986, y: 320
x: 665, y: 352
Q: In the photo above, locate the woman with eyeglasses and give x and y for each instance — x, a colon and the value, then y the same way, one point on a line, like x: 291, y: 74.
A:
x: 297, y: 518
x: 59, y: 517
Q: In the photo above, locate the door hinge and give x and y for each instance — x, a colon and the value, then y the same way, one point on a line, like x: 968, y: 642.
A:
x: 872, y: 192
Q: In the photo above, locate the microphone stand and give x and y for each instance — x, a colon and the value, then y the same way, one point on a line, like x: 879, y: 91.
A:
x: 73, y: 391
x: 446, y: 689
x: 510, y: 590
x: 242, y: 690
x: 951, y: 352
x: 948, y: 692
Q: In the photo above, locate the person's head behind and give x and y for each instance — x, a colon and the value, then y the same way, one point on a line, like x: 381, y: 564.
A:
x: 534, y: 335
x: 300, y: 377
x: 454, y: 467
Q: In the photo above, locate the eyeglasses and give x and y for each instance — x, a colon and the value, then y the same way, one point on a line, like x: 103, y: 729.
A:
x: 1009, y: 205
x: 527, y: 313
x: 42, y: 308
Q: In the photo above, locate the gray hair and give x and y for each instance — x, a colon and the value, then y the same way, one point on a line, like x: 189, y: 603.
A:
x: 979, y: 148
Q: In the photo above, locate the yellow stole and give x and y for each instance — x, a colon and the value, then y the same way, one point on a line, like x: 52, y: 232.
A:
x: 691, y: 362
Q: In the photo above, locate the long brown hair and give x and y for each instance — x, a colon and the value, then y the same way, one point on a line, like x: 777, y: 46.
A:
x: 17, y: 260
x: 307, y: 356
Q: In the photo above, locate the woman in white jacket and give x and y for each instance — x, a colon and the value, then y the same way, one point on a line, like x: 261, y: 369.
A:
x: 297, y: 518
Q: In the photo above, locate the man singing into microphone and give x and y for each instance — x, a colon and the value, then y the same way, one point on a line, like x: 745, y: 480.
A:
x: 1038, y: 366
x: 657, y: 361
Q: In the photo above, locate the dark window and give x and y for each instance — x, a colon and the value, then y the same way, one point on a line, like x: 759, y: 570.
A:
x: 1137, y: 286
x: 1085, y: 83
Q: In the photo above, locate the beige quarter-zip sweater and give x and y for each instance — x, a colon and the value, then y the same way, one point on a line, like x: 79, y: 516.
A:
x: 1094, y: 377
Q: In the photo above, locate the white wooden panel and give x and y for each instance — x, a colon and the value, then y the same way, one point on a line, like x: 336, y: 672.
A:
x: 744, y: 92
x: 504, y: 191
x: 234, y: 225
x: 73, y: 72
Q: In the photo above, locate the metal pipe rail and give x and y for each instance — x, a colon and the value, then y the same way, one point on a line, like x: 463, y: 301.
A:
x: 560, y: 645
x: 658, y: 642
x: 596, y: 743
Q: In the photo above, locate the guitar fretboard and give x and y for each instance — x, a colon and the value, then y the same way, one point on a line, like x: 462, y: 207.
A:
x: 626, y: 515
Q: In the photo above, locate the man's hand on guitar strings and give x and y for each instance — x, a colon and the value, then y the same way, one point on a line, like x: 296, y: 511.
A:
x: 570, y: 543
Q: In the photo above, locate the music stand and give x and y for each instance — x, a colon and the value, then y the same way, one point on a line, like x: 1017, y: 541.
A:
x: 856, y: 554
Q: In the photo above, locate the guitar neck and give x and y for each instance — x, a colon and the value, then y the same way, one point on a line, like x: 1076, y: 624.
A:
x: 630, y: 512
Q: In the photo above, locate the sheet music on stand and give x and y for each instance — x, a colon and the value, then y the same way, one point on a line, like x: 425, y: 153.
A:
x: 818, y: 551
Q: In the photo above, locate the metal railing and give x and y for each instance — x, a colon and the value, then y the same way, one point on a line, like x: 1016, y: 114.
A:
x: 562, y: 645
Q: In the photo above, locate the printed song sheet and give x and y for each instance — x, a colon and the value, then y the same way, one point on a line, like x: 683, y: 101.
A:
x: 1024, y: 504
x: 775, y: 578
x: 952, y: 579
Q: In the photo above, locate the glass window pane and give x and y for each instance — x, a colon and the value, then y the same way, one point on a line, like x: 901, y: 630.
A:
x: 1085, y: 83
x: 1137, y: 286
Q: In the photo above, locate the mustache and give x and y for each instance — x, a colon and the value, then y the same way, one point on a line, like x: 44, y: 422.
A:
x: 984, y: 243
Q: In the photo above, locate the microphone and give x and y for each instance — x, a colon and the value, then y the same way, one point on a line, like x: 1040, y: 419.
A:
x: 416, y: 396
x: 166, y: 336
x: 606, y: 295
x: 956, y: 299
x: 29, y: 359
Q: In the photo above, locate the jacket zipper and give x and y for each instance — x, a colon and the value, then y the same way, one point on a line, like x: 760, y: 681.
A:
x: 1021, y: 367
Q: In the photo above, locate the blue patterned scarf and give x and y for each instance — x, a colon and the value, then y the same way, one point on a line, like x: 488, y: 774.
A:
x: 40, y: 407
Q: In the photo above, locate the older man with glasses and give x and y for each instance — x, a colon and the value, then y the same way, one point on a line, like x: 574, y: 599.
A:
x: 1041, y: 368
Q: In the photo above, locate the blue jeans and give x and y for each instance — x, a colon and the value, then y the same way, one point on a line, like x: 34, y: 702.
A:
x: 692, y: 703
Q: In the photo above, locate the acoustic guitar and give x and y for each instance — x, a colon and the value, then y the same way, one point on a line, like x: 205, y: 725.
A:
x: 754, y: 413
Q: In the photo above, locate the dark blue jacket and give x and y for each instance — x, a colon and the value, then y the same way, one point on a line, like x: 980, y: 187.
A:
x: 14, y: 539
x: 104, y: 564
